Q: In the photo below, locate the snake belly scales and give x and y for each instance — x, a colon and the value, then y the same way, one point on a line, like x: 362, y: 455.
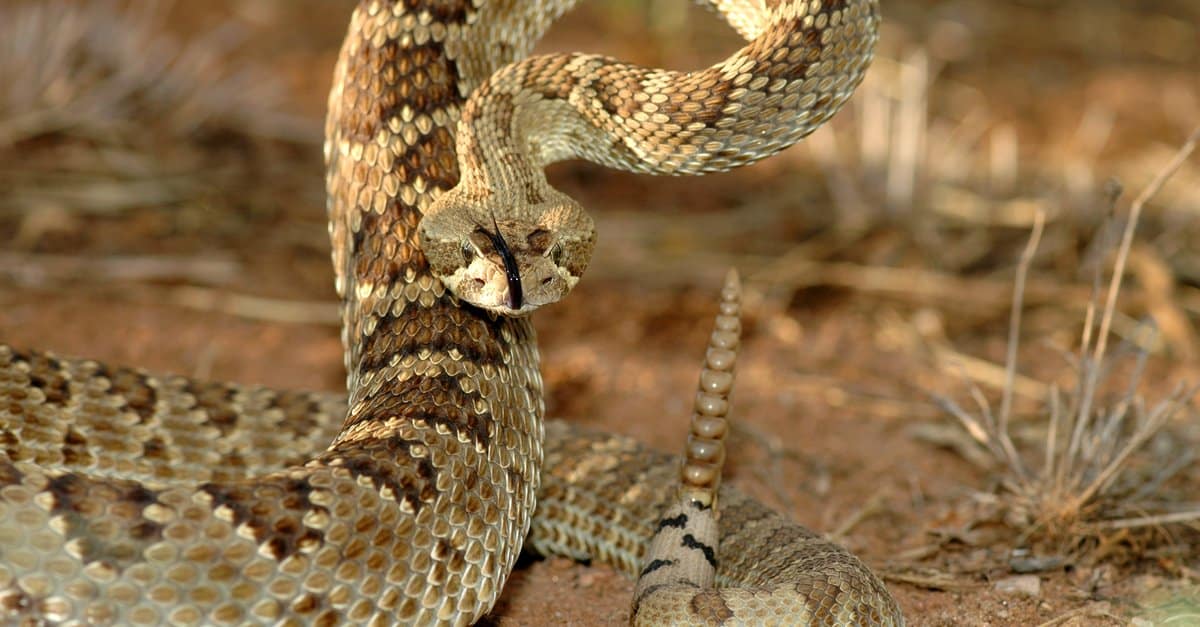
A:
x: 129, y: 499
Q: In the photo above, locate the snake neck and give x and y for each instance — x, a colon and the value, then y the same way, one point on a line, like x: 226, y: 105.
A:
x: 403, y: 75
x: 398, y: 87
x: 441, y: 395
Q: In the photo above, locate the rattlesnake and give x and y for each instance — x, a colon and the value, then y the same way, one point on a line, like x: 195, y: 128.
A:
x: 127, y: 498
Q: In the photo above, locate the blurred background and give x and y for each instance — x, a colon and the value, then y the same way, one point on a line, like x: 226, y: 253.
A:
x: 162, y: 205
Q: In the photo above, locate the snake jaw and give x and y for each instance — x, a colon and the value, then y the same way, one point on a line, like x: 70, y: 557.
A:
x: 508, y: 277
x: 509, y: 261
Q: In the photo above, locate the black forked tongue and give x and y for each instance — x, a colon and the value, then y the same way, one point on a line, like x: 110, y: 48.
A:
x: 515, y: 296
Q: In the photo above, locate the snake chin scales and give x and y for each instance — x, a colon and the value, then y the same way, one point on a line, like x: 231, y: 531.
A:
x: 506, y: 261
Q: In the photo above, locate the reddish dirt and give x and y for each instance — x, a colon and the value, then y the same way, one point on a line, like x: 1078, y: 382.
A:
x: 831, y: 381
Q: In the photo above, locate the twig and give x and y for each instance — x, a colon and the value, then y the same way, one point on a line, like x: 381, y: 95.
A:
x: 1014, y: 337
x: 1186, y: 458
x: 38, y: 270
x: 1091, y: 370
x: 1090, y: 611
x: 1151, y: 521
x: 962, y: 441
x: 935, y: 581
x: 1135, y: 212
x: 871, y: 507
x: 256, y: 307
x: 986, y: 372
x: 1078, y: 414
x: 1048, y: 465
x: 1158, y: 418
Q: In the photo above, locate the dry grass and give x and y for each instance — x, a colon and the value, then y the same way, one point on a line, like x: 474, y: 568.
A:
x: 112, y: 112
x: 89, y: 67
x: 909, y: 157
x: 923, y: 150
x: 1095, y: 485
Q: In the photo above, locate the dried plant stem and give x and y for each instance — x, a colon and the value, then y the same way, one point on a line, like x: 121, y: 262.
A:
x: 256, y: 307
x: 1158, y: 418
x: 1085, y: 485
x: 1135, y: 212
x: 45, y: 270
x: 1091, y: 375
x: 1014, y: 338
x: 1049, y: 464
x: 1151, y: 521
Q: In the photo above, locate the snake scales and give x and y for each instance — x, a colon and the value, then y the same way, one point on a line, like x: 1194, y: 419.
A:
x: 127, y: 498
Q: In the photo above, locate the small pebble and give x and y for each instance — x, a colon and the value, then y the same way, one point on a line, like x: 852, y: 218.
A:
x: 1024, y: 585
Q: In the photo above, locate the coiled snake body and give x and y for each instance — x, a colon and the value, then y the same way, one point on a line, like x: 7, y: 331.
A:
x: 127, y: 498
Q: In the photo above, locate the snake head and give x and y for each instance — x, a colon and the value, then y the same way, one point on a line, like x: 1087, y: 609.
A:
x: 504, y: 258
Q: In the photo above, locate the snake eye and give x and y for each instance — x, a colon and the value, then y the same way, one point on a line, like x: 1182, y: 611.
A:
x: 468, y: 252
x: 556, y: 254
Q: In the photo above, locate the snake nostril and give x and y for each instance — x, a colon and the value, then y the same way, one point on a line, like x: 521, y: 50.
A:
x: 479, y: 282
x: 547, y: 280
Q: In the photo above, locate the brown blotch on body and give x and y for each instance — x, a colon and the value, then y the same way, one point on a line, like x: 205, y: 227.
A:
x: 217, y: 402
x: 828, y: 6
x: 272, y: 521
x: 9, y: 475
x: 135, y: 388
x: 84, y: 501
x: 390, y: 77
x: 154, y: 448
x: 767, y: 45
x: 46, y: 374
x: 455, y: 559
x: 437, y: 399
x: 380, y: 232
x: 441, y: 328
x: 710, y: 607
x: 328, y: 618
x: 75, y: 493
x: 306, y: 604
x: 16, y: 603
x: 430, y: 157
x: 616, y: 92
x: 549, y: 78
x: 299, y: 409
x: 75, y: 449
x: 827, y: 593
x: 12, y: 446
x: 444, y: 11
x: 389, y: 463
x: 705, y: 88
